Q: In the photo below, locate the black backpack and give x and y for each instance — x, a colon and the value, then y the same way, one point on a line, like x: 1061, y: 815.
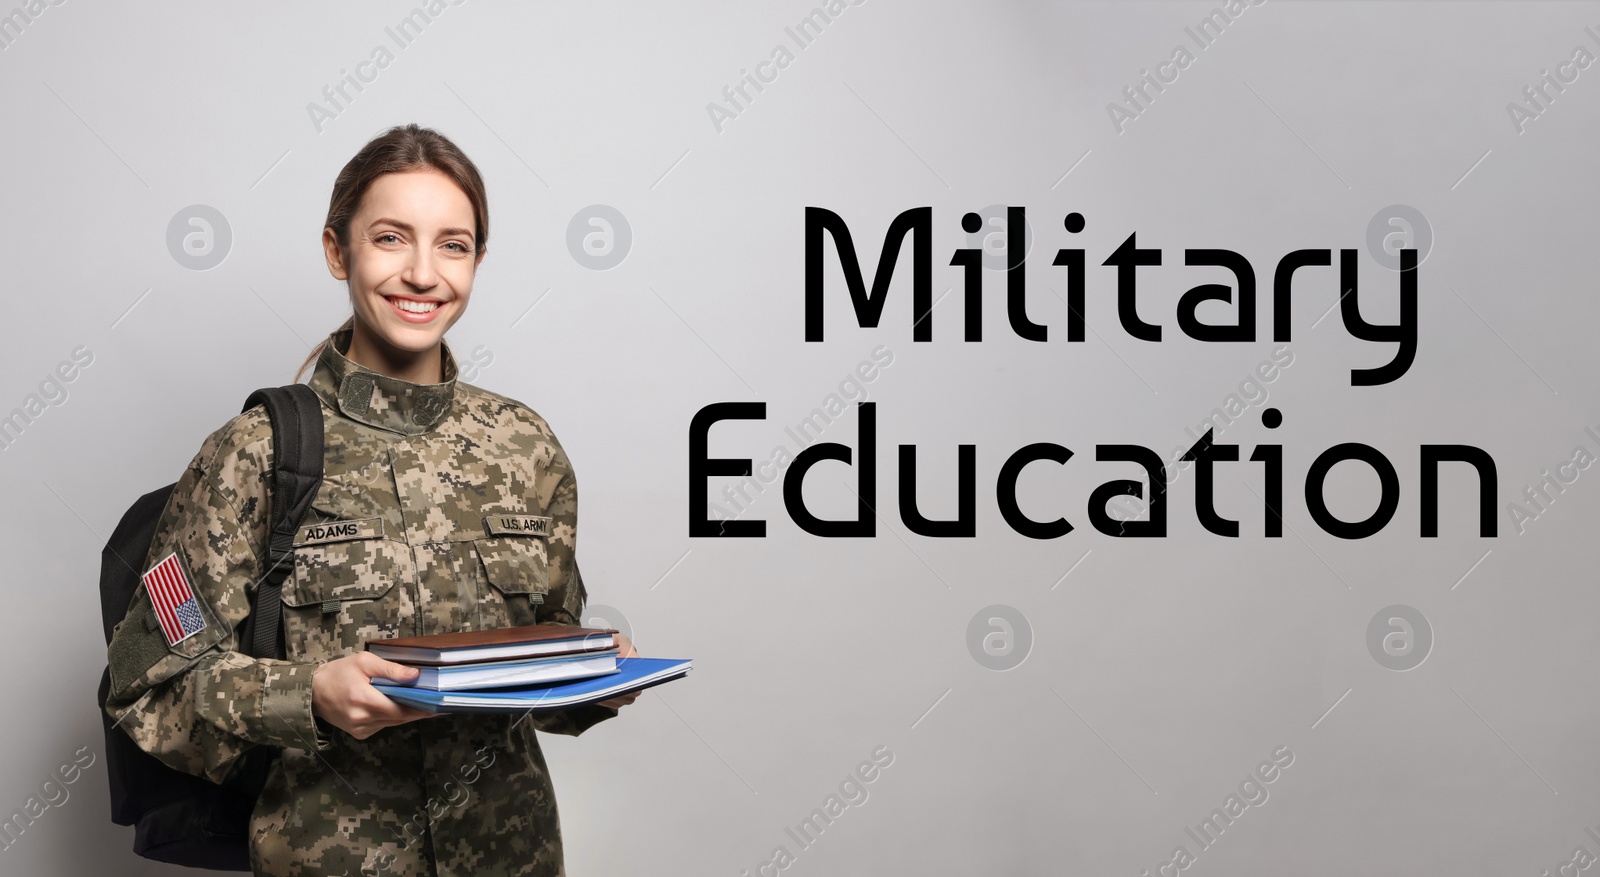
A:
x: 179, y: 818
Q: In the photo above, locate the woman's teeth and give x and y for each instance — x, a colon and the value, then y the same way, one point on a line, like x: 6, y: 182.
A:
x: 415, y: 307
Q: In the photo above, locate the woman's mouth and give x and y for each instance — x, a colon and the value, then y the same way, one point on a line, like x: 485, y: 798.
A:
x: 414, y: 310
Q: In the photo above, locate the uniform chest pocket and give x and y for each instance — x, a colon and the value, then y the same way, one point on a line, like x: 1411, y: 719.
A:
x: 347, y: 587
x: 516, y: 562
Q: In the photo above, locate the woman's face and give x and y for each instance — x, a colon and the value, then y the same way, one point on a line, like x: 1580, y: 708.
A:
x: 410, y: 261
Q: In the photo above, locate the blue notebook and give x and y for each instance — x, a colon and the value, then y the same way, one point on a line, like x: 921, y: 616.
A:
x: 632, y: 674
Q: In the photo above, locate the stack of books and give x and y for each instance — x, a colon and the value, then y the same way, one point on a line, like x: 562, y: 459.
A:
x: 539, y: 668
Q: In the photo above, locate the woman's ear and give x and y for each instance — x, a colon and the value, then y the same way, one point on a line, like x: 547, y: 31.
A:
x: 334, y: 255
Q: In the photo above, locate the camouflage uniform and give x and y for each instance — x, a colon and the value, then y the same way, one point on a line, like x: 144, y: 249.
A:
x: 462, y: 515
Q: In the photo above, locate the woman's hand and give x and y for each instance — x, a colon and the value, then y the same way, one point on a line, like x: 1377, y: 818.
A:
x: 342, y: 694
x: 624, y: 646
x: 624, y: 650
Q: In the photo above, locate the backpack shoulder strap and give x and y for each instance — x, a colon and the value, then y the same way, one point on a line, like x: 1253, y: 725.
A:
x: 296, y: 415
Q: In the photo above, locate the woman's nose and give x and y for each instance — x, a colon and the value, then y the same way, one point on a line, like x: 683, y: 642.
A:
x: 420, y: 273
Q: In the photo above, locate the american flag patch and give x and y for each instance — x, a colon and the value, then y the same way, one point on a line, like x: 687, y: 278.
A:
x: 177, y: 609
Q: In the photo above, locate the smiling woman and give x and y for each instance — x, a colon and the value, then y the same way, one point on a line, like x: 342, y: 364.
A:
x: 396, y: 543
x: 409, y: 279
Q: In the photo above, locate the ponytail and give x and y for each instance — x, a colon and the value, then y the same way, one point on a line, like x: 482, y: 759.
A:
x: 317, y: 351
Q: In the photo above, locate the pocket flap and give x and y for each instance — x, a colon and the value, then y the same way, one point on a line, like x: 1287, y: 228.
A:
x: 515, y: 565
x: 361, y: 568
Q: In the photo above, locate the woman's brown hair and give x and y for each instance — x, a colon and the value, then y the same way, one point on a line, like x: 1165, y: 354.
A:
x: 399, y: 149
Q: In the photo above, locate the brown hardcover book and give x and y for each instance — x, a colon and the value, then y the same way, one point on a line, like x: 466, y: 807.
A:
x: 506, y: 643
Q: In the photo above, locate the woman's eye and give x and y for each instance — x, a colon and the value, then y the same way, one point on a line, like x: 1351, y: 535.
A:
x: 387, y: 237
x: 459, y: 246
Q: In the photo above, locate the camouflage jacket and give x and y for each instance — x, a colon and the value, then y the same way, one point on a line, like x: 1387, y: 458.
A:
x: 439, y: 487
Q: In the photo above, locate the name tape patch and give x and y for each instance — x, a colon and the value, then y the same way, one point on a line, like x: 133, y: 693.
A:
x: 339, y: 531
x: 517, y: 525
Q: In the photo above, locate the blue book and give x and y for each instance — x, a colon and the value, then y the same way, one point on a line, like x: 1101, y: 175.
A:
x: 633, y: 674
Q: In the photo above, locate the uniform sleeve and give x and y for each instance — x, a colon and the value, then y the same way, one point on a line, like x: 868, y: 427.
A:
x: 198, y: 704
x: 564, y: 602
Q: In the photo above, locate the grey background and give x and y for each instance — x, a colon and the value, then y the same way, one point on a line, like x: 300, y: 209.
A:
x: 1161, y: 672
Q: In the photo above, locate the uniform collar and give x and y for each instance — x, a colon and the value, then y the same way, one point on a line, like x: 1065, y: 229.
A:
x: 378, y: 400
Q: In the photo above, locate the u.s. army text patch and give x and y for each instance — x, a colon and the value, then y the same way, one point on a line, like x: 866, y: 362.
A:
x: 517, y: 525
